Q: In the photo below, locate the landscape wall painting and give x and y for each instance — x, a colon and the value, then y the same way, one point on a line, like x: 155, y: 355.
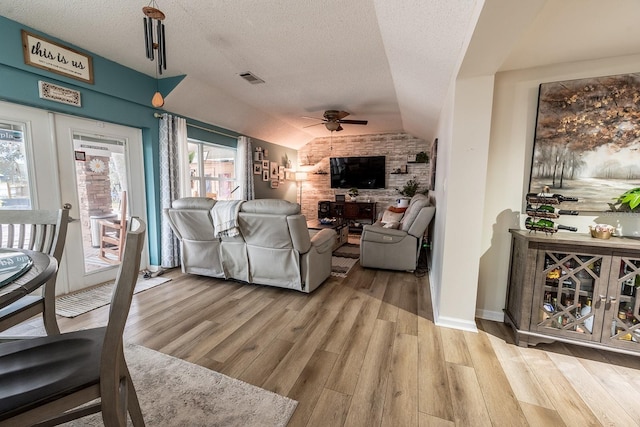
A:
x: 587, y: 141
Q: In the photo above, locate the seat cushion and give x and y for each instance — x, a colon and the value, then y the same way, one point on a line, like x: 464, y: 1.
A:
x: 38, y: 370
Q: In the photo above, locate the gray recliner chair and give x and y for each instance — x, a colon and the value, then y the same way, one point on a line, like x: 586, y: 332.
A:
x: 397, y: 249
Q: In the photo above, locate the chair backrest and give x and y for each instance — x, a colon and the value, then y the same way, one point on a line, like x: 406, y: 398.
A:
x: 36, y: 230
x: 126, y: 279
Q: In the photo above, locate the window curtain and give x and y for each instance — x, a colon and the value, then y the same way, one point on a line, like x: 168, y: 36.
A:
x: 174, y: 181
x: 244, y: 169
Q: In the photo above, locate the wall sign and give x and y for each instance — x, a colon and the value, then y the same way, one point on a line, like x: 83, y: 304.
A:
x: 51, y: 56
x: 59, y: 94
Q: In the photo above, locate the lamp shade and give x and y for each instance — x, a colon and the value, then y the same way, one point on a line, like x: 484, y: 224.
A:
x: 157, y: 100
x: 301, y: 176
x: 332, y: 126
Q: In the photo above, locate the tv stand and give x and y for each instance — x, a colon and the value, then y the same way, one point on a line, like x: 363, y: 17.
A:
x: 355, y: 213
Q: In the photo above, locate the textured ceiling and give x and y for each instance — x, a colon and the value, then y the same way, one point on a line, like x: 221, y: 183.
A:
x: 388, y: 62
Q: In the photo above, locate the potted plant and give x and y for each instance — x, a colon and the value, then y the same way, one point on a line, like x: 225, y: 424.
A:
x: 410, y: 188
x: 353, y: 193
x: 629, y: 201
x: 422, y: 157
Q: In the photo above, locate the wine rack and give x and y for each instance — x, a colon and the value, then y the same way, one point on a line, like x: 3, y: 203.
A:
x: 541, y: 210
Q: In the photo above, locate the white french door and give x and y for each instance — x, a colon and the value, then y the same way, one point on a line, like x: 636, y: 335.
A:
x: 85, y: 164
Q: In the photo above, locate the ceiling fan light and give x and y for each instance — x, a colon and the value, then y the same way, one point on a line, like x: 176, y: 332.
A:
x: 157, y: 100
x: 332, y: 126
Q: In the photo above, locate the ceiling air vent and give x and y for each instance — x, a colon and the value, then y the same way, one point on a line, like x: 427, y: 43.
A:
x: 251, y: 78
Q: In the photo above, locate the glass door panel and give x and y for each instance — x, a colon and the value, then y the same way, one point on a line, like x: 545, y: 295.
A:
x: 15, y: 187
x: 568, y: 298
x: 625, y: 302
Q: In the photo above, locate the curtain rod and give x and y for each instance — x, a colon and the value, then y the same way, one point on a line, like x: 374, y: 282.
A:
x: 159, y: 116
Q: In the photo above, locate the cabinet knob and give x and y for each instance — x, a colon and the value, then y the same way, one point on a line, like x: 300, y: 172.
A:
x: 603, y: 298
x: 613, y: 300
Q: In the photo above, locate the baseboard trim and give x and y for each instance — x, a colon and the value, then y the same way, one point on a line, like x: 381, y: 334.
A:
x: 495, y: 316
x: 455, y: 323
x: 450, y: 322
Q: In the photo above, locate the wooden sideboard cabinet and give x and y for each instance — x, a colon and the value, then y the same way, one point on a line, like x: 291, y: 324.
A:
x: 574, y: 288
x: 354, y: 213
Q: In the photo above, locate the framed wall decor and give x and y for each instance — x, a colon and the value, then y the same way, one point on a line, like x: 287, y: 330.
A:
x: 274, y: 169
x: 265, y: 174
x: 587, y: 140
x: 265, y: 165
x: 275, y: 184
x: 257, y: 168
x: 48, y: 55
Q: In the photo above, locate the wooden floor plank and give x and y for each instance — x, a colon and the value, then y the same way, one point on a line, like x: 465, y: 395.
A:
x: 401, y: 401
x: 522, y: 379
x: 500, y: 401
x: 426, y: 420
x: 344, y: 375
x: 455, y: 347
x: 331, y: 409
x: 433, y: 381
x: 284, y: 376
x: 566, y: 401
x: 309, y: 386
x: 369, y: 396
x: 607, y: 408
x: 540, y: 416
x: 254, y: 347
x: 467, y: 398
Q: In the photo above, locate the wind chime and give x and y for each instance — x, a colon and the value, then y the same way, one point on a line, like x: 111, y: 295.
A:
x: 159, y: 44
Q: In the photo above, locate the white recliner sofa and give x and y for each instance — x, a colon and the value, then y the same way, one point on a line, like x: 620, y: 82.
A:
x: 274, y: 246
x: 397, y: 249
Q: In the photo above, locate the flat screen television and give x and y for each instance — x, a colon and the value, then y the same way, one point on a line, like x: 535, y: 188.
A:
x: 359, y: 172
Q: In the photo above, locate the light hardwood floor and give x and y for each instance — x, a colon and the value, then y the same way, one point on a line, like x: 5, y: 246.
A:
x: 364, y: 351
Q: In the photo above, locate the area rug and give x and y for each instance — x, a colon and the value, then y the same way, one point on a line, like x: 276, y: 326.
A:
x: 77, y: 303
x: 173, y: 392
x: 344, y: 258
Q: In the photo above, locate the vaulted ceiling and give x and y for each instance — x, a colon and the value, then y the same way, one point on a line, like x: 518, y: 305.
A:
x: 388, y: 62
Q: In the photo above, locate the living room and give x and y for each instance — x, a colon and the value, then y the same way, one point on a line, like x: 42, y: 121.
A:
x: 485, y: 129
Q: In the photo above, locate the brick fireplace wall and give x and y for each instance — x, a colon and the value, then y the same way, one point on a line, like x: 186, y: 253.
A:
x: 396, y: 147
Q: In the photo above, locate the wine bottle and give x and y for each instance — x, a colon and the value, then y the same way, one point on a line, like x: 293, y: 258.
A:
x: 546, y: 225
x: 547, y: 211
x: 549, y: 198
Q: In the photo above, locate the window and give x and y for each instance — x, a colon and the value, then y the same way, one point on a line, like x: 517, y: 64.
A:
x: 15, y: 191
x: 212, y: 170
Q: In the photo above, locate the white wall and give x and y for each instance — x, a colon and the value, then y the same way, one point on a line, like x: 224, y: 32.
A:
x: 466, y: 130
x: 510, y: 151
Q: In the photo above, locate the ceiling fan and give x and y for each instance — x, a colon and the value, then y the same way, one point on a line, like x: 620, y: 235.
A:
x: 334, y: 119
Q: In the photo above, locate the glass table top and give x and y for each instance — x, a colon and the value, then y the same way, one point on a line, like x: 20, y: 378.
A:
x: 13, y: 264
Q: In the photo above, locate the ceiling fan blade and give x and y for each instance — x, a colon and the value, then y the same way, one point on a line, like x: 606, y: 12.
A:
x: 341, y: 115
x: 354, y: 122
x: 312, y: 118
x: 339, y: 128
x: 315, y: 124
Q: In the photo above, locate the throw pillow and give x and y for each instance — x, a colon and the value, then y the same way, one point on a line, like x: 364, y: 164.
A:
x: 394, y: 225
x: 389, y: 216
x: 397, y: 210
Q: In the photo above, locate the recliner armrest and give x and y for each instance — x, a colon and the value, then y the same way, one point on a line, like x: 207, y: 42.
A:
x: 323, y: 240
x: 372, y: 233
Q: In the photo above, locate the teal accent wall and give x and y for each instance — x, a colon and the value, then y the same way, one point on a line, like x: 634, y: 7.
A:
x: 120, y: 95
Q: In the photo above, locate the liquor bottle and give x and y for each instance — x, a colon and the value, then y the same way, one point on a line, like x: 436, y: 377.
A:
x: 546, y: 225
x: 547, y: 211
x: 549, y: 198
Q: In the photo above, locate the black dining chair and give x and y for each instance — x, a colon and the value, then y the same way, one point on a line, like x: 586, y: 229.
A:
x: 42, y: 231
x: 49, y: 379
